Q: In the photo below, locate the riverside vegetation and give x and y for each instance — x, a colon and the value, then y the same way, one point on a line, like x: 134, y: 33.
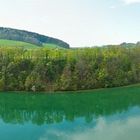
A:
x: 47, y: 69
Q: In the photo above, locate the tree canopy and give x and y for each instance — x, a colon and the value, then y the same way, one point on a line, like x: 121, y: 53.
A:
x: 73, y: 69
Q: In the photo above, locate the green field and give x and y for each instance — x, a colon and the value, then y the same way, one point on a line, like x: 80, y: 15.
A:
x: 47, y: 45
x: 12, y: 43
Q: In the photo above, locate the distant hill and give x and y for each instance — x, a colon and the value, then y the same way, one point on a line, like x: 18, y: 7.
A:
x: 124, y: 44
x: 34, y: 39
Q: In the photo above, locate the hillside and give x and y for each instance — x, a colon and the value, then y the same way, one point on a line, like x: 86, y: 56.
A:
x: 13, y: 43
x: 32, y: 38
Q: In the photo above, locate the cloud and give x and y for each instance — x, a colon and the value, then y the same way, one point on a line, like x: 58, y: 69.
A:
x: 118, y: 130
x: 131, y: 1
x: 112, y: 7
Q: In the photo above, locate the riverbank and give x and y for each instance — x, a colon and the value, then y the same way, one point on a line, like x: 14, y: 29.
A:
x: 131, y: 88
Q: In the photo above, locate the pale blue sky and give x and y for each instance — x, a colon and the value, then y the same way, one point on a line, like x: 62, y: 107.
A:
x: 78, y: 22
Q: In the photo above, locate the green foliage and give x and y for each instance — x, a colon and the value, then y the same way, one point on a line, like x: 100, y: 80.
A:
x: 1, y: 84
x: 33, y: 82
x: 46, y: 69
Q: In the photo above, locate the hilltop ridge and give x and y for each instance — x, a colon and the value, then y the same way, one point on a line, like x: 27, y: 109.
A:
x: 30, y: 37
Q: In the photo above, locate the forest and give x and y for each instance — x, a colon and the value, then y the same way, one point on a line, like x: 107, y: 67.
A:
x: 47, y: 69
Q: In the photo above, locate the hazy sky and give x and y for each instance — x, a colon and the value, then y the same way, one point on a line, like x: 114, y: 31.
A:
x: 78, y: 22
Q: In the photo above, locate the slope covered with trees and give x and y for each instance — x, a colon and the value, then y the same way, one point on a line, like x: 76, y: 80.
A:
x: 67, y: 69
x: 30, y: 37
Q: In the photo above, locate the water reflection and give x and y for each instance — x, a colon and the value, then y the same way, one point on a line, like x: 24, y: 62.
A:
x: 49, y: 109
x: 117, y: 130
x: 110, y: 115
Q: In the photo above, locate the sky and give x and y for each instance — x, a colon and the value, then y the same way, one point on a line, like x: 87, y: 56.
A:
x: 79, y: 22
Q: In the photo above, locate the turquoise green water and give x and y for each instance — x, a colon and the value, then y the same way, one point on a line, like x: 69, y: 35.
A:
x: 110, y: 114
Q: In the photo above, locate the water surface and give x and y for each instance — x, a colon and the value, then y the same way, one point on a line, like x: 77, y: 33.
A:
x: 110, y: 114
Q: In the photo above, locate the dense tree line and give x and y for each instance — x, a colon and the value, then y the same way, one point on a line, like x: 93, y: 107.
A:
x: 73, y: 69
